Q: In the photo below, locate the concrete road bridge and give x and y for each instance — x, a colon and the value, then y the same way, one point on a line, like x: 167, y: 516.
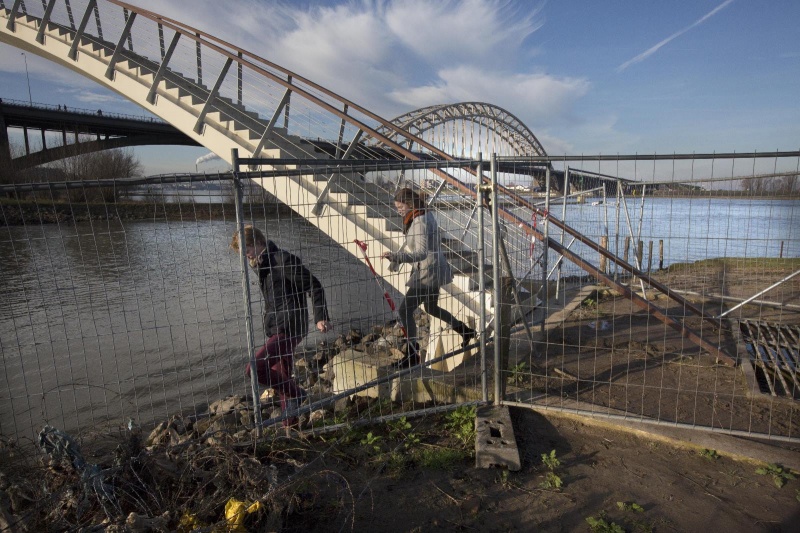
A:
x: 77, y: 131
x: 230, y: 100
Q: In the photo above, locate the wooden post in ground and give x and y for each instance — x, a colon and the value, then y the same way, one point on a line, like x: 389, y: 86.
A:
x: 603, y: 259
x: 661, y: 254
x: 649, y: 258
x: 638, y: 252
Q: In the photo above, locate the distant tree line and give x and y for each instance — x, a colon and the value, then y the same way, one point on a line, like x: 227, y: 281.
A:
x: 112, y: 164
x: 785, y: 185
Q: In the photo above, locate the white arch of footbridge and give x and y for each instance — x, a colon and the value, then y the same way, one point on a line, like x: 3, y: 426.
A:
x: 227, y: 98
x: 467, y: 128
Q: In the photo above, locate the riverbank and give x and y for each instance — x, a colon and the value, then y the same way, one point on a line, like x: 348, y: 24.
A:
x: 24, y: 213
x: 576, y: 475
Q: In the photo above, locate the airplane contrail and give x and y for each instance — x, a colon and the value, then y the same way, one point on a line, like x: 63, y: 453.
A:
x: 650, y: 51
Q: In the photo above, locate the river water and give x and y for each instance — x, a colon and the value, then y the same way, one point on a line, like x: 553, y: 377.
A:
x: 143, y: 319
x: 103, y: 321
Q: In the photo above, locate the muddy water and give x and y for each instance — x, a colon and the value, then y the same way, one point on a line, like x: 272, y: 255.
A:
x: 101, y: 322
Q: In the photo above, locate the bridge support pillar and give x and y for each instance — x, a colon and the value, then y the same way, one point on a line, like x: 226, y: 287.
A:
x: 6, y: 165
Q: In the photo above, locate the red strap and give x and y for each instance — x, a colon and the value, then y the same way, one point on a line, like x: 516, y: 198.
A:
x: 386, y: 296
x: 363, y: 246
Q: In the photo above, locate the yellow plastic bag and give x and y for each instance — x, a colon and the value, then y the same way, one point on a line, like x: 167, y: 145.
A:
x: 189, y: 522
x: 235, y: 513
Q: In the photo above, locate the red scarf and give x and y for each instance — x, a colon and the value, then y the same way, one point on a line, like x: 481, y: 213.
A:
x: 409, y: 217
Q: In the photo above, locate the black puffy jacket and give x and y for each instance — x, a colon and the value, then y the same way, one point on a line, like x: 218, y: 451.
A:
x: 285, y: 282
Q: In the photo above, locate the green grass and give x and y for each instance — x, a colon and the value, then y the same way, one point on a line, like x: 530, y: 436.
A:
x: 437, y: 458
x: 461, y: 423
x: 738, y: 262
x: 709, y: 454
x: 780, y: 476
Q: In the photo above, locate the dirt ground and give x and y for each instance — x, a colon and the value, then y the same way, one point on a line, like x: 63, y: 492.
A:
x: 615, y: 477
x: 410, y: 476
x: 610, y: 355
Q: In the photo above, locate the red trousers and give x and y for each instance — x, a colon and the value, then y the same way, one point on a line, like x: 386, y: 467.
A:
x: 275, y: 365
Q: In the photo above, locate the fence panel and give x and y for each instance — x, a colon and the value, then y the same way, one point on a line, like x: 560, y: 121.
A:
x: 130, y: 306
x: 714, y: 232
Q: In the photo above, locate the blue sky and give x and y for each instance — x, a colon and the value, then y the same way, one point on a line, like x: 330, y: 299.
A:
x: 586, y: 77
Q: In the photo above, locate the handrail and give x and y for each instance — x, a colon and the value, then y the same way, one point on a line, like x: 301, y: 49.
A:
x: 198, y: 35
x: 79, y: 110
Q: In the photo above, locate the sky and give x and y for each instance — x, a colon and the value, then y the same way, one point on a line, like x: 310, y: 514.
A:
x: 609, y: 77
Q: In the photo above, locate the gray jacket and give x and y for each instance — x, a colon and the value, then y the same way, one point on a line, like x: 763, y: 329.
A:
x: 423, y: 250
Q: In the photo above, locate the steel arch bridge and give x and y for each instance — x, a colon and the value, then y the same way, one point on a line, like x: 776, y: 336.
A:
x: 468, y: 128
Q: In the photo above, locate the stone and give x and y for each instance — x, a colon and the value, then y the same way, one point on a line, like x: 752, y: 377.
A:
x: 225, y: 405
x: 495, y: 444
x: 144, y: 524
x: 352, y: 369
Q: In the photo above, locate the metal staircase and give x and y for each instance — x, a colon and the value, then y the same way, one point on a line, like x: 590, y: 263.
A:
x: 247, y: 108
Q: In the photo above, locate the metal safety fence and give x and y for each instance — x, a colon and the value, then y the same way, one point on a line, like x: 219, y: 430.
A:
x: 651, y: 289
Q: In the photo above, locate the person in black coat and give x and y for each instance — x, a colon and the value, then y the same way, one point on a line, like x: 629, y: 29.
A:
x: 285, y: 284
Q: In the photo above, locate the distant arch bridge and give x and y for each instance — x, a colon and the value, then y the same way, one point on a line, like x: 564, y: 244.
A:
x: 458, y: 129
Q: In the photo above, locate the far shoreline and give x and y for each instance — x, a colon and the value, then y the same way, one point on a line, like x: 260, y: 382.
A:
x: 25, y: 213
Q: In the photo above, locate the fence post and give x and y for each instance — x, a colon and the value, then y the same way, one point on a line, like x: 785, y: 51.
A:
x: 661, y: 254
x: 500, y: 289
x: 564, y: 193
x: 625, y: 249
x: 482, y: 280
x: 639, y: 252
x: 616, y: 229
x: 545, y: 242
x: 248, y: 314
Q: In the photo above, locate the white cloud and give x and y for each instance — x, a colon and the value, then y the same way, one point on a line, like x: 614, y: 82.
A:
x: 392, y: 56
x: 367, y: 49
x: 94, y: 98
x: 462, y: 31
x: 534, y: 98
x: 347, y: 49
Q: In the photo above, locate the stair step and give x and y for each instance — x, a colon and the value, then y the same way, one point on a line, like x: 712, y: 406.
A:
x: 58, y: 31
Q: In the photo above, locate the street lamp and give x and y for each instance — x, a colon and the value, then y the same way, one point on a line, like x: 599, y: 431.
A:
x: 30, y: 98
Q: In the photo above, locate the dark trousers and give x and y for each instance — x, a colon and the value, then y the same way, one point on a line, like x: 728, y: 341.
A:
x: 429, y: 298
x: 275, y: 366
